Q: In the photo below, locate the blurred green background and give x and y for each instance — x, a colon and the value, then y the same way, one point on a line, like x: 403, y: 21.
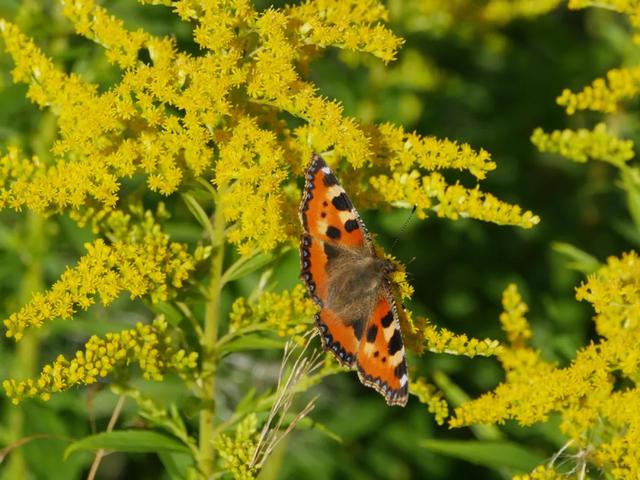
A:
x: 457, y: 77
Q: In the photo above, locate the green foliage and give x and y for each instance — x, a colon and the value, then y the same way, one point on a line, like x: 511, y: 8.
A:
x: 485, y: 76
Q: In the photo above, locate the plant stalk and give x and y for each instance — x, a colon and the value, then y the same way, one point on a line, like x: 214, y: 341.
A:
x: 26, y: 357
x: 102, y: 452
x: 206, y: 459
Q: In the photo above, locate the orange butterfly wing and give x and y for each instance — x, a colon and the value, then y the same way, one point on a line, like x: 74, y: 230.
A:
x: 381, y: 358
x: 328, y: 217
x: 337, y: 336
x: 326, y: 211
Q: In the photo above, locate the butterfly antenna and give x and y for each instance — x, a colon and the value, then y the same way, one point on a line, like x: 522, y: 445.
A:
x: 403, y: 228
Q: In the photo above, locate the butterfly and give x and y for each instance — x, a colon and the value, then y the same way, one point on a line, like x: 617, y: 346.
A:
x: 358, y: 320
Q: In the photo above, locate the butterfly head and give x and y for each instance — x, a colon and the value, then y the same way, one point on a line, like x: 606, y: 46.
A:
x: 384, y: 267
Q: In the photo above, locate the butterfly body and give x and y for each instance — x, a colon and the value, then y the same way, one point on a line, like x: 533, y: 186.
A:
x: 358, y: 321
x: 355, y: 277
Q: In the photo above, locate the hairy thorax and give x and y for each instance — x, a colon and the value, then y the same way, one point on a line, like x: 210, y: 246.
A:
x: 355, y: 279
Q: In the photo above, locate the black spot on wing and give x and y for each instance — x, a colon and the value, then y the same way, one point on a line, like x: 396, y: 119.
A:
x: 351, y: 225
x: 341, y: 202
x: 329, y: 180
x: 387, y: 319
x: 331, y: 252
x: 400, y: 370
x: 358, y: 326
x: 333, y: 232
x: 395, y: 342
x: 372, y: 333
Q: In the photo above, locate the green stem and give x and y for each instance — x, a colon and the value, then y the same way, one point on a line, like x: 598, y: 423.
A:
x: 26, y: 357
x: 209, y: 361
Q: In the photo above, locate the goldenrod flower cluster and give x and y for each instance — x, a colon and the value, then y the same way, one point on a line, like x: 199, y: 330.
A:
x: 141, y: 260
x: 614, y: 292
x: 513, y: 320
x: 237, y: 452
x: 441, y: 340
x: 431, y: 396
x: 581, y: 145
x: 249, y: 174
x: 349, y: 25
x: 163, y: 117
x: 399, y: 278
x: 288, y: 313
x: 405, y: 155
x: 542, y: 472
x: 148, y: 346
x: 603, y: 95
x: 597, y: 395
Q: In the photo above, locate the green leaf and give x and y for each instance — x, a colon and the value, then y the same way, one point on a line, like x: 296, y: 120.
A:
x: 578, y: 259
x: 307, y: 423
x: 252, y: 342
x: 176, y: 464
x: 171, y: 313
x: 128, y: 441
x: 200, y: 215
x: 246, y: 265
x: 247, y: 403
x: 495, y: 454
x: 627, y: 230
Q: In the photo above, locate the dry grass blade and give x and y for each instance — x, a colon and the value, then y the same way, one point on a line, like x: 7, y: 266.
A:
x: 288, y: 381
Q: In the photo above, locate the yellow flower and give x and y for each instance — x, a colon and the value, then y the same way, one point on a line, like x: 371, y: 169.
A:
x: 163, y: 117
x: 541, y: 473
x: 403, y: 152
x: 348, y: 24
x: 149, y: 346
x: 237, y: 452
x: 141, y: 260
x: 581, y: 145
x: 452, y: 201
x: 399, y: 276
x: 249, y: 176
x: 288, y: 313
x: 614, y: 292
x: 96, y: 24
x: 432, y: 397
x: 441, y: 340
x: 603, y: 95
x: 596, y: 396
x: 512, y: 319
